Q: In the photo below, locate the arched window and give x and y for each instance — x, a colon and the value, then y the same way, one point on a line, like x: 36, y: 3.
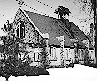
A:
x: 21, y: 30
x: 17, y: 32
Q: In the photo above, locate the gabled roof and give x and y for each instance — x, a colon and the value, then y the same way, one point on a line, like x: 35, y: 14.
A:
x: 56, y: 28
x: 52, y: 26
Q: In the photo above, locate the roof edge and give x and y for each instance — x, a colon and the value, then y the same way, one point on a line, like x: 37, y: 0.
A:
x: 22, y: 10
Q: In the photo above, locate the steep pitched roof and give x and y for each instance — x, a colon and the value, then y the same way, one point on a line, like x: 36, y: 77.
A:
x: 56, y: 27
x: 52, y: 26
x: 77, y: 32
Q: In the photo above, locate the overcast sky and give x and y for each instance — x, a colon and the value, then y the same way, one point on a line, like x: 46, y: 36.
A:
x: 8, y: 9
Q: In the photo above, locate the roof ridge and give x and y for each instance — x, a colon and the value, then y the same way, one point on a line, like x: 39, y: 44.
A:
x: 40, y: 14
x: 60, y: 23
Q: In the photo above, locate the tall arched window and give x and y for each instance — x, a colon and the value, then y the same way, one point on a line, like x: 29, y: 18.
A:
x: 17, y: 31
x: 21, y: 30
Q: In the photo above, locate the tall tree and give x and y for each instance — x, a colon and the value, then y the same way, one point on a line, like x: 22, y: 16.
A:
x: 86, y: 8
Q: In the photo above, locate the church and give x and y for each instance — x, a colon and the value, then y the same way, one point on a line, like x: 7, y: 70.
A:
x: 57, y: 37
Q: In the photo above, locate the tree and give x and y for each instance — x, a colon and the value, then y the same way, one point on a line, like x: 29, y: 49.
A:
x: 11, y: 64
x: 62, y: 11
x: 86, y: 8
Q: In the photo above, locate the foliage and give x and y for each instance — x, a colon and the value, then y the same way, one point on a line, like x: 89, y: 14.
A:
x: 62, y: 11
x: 14, y: 66
x: 86, y: 7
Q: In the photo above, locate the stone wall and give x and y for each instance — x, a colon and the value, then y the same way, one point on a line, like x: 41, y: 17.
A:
x: 31, y: 34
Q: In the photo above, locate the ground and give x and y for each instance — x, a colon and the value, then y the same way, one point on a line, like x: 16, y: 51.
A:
x: 78, y: 73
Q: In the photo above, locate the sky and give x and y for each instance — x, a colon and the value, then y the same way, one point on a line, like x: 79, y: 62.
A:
x: 8, y: 9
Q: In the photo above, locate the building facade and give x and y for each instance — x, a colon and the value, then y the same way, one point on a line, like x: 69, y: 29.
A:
x: 54, y: 50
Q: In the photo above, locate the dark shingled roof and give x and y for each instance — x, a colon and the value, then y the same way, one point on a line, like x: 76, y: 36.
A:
x: 52, y: 26
x: 56, y: 27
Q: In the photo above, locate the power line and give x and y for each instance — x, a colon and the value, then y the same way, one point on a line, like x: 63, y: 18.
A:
x: 29, y: 7
x: 21, y: 2
x: 33, y: 8
x: 44, y: 4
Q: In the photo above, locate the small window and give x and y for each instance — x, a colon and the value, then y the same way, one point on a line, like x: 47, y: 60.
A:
x: 36, y: 57
x: 53, y: 56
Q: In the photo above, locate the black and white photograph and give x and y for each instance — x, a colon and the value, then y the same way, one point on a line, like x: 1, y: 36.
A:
x: 48, y: 40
